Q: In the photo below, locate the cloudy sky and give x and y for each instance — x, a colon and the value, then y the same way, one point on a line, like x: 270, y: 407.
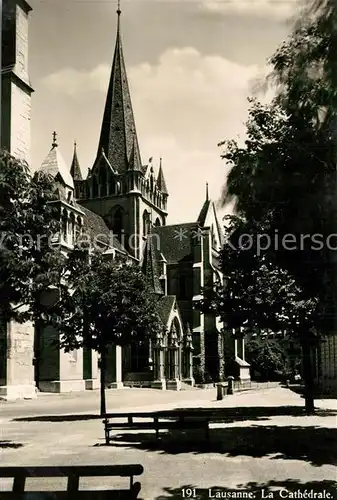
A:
x: 191, y: 65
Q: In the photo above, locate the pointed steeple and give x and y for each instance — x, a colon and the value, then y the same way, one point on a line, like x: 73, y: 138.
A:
x: 161, y: 184
x: 149, y: 266
x: 75, y: 169
x: 118, y: 134
x: 205, y: 208
x: 134, y: 159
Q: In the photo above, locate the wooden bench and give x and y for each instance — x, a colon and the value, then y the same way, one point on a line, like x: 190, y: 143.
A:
x: 73, y: 474
x: 171, y: 419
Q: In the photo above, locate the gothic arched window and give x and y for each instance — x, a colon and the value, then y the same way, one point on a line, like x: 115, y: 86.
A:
x: 146, y: 222
x: 157, y: 223
x: 64, y: 224
x: 94, y: 187
x: 214, y: 245
x: 112, y: 186
x: 102, y: 181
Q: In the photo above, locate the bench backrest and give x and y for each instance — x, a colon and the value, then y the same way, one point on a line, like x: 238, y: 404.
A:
x: 163, y: 413
x: 73, y: 473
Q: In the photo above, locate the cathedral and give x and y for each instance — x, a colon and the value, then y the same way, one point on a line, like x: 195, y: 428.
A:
x: 121, y: 205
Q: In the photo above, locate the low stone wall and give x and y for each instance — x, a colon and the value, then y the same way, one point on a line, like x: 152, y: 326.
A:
x: 242, y: 386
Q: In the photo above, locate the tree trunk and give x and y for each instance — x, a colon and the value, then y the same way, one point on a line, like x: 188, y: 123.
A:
x: 37, y: 353
x: 102, y: 381
x: 308, y: 378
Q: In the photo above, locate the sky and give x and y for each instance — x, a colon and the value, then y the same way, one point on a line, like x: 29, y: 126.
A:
x: 191, y: 65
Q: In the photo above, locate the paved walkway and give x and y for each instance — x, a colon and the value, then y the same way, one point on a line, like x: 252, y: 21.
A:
x: 270, y: 444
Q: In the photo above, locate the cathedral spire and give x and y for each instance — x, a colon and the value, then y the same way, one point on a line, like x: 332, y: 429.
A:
x: 75, y: 168
x: 118, y: 133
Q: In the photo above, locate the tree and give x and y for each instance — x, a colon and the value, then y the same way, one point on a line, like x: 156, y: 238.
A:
x: 103, y: 303
x: 267, y: 356
x: 289, y: 159
x: 29, y: 259
x: 277, y: 179
x: 258, y: 295
x: 283, y: 179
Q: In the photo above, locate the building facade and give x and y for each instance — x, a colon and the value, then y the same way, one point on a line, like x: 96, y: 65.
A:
x: 123, y: 204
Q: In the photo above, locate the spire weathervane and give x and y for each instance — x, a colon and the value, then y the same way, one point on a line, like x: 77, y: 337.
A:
x: 207, y: 198
x: 118, y: 16
x: 54, y: 145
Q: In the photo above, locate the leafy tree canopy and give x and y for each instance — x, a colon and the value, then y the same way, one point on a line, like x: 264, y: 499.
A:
x: 283, y: 179
x: 104, y: 302
x: 257, y: 294
x: 29, y: 222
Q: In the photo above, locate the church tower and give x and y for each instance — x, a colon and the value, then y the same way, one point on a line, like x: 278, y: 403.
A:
x: 127, y: 194
x: 16, y: 88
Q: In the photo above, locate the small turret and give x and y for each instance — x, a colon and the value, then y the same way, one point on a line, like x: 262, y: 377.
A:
x: 55, y: 165
x: 161, y: 184
x: 75, y: 169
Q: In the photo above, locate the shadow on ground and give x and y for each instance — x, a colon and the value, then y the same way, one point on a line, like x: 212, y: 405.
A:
x: 316, y: 445
x: 10, y: 444
x: 299, y: 389
x: 230, y: 414
x: 256, y: 489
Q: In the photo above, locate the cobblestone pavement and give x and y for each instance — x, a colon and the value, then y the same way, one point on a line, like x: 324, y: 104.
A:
x: 269, y: 444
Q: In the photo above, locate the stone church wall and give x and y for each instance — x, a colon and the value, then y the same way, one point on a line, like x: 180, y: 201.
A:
x: 20, y: 123
x: 17, y: 371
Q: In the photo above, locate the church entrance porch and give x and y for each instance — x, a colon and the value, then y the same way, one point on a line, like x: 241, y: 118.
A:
x: 161, y: 363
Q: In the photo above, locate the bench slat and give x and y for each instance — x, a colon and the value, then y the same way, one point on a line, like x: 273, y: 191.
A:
x: 134, y: 425
x: 64, y: 495
x: 150, y: 425
x: 205, y: 412
x: 81, y: 471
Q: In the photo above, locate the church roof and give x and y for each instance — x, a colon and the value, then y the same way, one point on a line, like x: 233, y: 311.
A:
x: 75, y: 169
x: 55, y: 165
x: 95, y: 226
x: 118, y: 133
x: 176, y: 241
x: 164, y: 307
x: 149, y: 266
x: 161, y: 180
